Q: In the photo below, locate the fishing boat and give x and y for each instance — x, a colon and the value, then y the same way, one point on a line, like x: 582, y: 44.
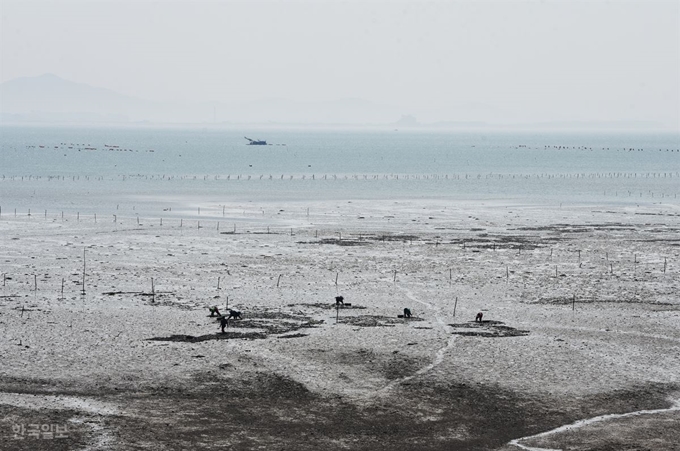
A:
x: 254, y: 142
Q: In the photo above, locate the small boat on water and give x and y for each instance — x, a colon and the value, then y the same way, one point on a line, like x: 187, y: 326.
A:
x: 254, y: 142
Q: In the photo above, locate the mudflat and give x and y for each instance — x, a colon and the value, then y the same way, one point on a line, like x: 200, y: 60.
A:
x: 580, y: 327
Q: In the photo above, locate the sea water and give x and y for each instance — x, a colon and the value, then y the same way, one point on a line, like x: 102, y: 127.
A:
x: 155, y: 169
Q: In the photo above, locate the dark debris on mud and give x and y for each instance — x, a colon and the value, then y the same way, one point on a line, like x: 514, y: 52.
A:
x: 487, y: 329
x: 375, y: 320
x: 208, y: 337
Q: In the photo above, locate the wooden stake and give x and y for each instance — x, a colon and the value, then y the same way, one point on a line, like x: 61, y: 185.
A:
x: 279, y: 280
x: 62, y: 288
x: 153, y: 292
x: 507, y: 274
x: 395, y: 276
x: 573, y: 302
x: 455, y: 304
x: 218, y: 282
x: 336, y: 278
x: 83, y: 290
x: 35, y: 282
x: 664, y: 265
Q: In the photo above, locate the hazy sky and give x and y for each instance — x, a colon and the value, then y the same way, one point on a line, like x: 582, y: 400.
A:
x: 549, y: 60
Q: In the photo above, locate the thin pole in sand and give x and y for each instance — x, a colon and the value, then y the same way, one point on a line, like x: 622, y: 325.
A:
x: 198, y: 225
x: 45, y: 214
x: 336, y: 278
x: 226, y: 305
x: 279, y: 280
x: 83, y: 290
x: 507, y: 274
x: 337, y: 313
x: 339, y: 236
x: 62, y: 289
x: 95, y: 218
x: 664, y: 265
x: 35, y: 282
x: 455, y: 304
x: 551, y: 252
x: 137, y: 219
x: 234, y: 229
x: 78, y: 216
x: 218, y: 282
x: 161, y: 222
x: 579, y: 255
x: 395, y: 276
x: 218, y: 226
x: 4, y: 276
x: 153, y: 292
x: 573, y: 303
x: 450, y: 276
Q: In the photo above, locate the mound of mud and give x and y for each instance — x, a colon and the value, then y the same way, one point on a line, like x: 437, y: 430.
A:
x: 487, y: 329
x: 217, y: 336
x: 375, y: 320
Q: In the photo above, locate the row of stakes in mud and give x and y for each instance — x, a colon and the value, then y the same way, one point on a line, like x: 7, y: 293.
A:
x: 466, y: 176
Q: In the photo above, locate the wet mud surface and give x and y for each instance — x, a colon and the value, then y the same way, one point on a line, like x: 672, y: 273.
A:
x: 268, y: 410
